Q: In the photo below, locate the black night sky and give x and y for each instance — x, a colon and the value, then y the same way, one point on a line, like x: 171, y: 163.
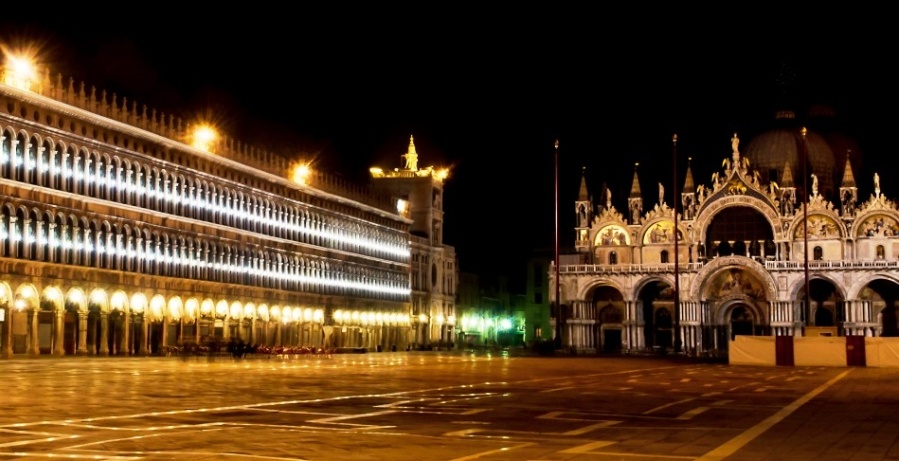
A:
x: 487, y: 93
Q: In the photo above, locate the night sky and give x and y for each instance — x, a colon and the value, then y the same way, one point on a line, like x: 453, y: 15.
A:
x: 488, y: 92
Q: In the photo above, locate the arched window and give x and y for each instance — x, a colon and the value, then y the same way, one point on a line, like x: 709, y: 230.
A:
x: 819, y: 253
x: 613, y: 257
x: 664, y: 257
x: 881, y: 254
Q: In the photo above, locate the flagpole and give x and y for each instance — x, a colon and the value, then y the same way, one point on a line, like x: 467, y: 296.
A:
x: 677, y: 335
x: 805, y: 217
x: 558, y: 339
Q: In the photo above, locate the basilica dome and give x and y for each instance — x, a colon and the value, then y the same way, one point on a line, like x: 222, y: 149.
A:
x: 770, y: 151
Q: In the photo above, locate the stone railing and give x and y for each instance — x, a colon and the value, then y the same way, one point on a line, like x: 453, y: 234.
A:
x: 773, y: 266
x: 626, y: 268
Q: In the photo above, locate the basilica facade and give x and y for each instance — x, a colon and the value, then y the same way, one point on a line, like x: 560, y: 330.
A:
x: 744, y: 252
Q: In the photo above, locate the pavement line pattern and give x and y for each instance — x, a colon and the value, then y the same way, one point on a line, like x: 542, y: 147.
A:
x: 492, y: 452
x: 731, y: 446
x: 648, y: 412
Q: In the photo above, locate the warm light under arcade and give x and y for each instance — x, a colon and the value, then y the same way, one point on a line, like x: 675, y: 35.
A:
x: 19, y: 72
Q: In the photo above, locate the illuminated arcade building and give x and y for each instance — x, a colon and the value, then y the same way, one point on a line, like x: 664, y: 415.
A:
x: 434, y: 267
x: 124, y: 231
x: 744, y: 258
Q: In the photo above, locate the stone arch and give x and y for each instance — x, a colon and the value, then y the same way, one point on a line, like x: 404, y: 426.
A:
x: 875, y: 222
x: 98, y: 297
x: 5, y: 292
x: 814, y: 216
x: 207, y: 308
x: 221, y: 308
x: 652, y: 295
x: 157, y: 311
x: 192, y: 308
x: 644, y: 282
x: 646, y: 236
x: 796, y: 289
x: 723, y: 309
x: 174, y: 308
x: 707, y: 272
x: 52, y: 299
x: 262, y: 312
x: 707, y: 213
x: 139, y: 303
x: 26, y: 297
x: 854, y: 291
x: 119, y: 301
x: 593, y: 284
x: 77, y: 300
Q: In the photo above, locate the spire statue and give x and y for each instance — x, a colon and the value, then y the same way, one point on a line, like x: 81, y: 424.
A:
x: 735, y: 144
x: 411, y: 156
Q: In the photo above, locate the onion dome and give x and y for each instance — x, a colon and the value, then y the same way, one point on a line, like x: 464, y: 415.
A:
x: 771, y: 150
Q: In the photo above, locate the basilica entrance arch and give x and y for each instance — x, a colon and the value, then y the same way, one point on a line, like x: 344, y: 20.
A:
x: 884, y: 296
x: 737, y: 290
x: 657, y: 300
x: 609, y: 305
x: 826, y: 312
x: 737, y: 315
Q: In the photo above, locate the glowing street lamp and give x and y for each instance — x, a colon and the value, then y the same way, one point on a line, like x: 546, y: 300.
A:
x: 19, y: 71
x: 301, y: 173
x: 204, y: 137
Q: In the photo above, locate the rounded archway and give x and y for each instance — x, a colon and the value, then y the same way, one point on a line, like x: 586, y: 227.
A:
x: 739, y: 231
x: 657, y: 301
x: 609, y: 305
x: 825, y: 312
x: 884, y: 295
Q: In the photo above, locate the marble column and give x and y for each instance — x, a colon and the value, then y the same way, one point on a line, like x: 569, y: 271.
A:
x: 33, y: 345
x: 59, y: 334
x: 104, y: 333
x: 6, y: 329
x: 126, y: 334
x: 82, y: 332
x: 144, y: 343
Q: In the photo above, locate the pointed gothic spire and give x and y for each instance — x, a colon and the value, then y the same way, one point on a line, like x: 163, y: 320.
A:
x: 688, y: 181
x: 582, y: 193
x: 848, y: 178
x: 787, y: 180
x: 635, y: 185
